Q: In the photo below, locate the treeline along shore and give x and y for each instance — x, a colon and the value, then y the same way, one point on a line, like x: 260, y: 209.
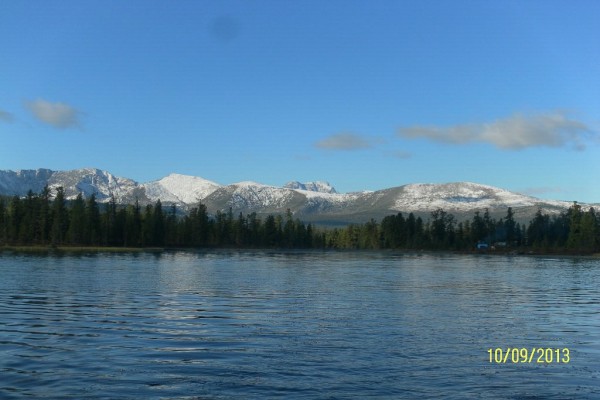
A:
x: 39, y: 220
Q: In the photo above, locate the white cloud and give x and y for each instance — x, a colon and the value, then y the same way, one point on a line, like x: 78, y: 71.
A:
x: 5, y: 116
x: 343, y: 141
x: 518, y: 131
x: 58, y: 115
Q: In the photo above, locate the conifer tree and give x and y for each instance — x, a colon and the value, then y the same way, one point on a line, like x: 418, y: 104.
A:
x: 442, y: 229
x: 14, y: 215
x: 133, y: 225
x: 370, y: 235
x: 60, y: 217
x: 44, y: 222
x: 28, y: 219
x: 120, y: 228
x: 269, y: 232
x: 575, y: 239
x: 288, y: 230
x: 2, y: 222
x: 147, y: 234
x: 419, y: 238
x: 171, y: 226
x: 310, y: 237
x: 158, y: 226
x: 510, y: 227
x: 300, y: 239
x: 588, y: 230
x: 537, y: 232
x: 254, y: 228
x: 478, y: 229
x: 76, y: 233
x: 101, y: 228
x: 411, y: 231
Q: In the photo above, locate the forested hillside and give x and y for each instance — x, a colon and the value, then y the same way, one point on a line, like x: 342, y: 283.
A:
x: 42, y: 219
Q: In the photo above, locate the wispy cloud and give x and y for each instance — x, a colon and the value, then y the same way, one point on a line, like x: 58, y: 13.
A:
x: 553, y: 129
x: 344, y: 141
x: 5, y: 116
x: 58, y: 115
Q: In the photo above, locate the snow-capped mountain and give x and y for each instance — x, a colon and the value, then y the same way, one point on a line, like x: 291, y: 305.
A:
x: 181, y: 189
x: 318, y: 186
x: 311, y: 201
x: 90, y: 181
x: 253, y: 197
x: 20, y: 182
x: 461, y: 196
x: 87, y: 181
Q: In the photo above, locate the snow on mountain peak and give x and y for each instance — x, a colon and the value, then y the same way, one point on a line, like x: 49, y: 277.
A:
x: 21, y: 181
x: 179, y: 188
x: 249, y: 194
x: 311, y: 199
x: 317, y: 186
x: 250, y: 184
x: 458, y: 196
x: 91, y: 181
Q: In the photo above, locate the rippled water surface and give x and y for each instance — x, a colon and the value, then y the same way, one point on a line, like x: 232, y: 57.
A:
x: 295, y: 325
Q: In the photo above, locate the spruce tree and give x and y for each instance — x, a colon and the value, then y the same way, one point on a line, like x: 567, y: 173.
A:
x: 575, y: 239
x: 158, y: 226
x: 2, y: 222
x: 44, y: 221
x: 77, y: 222
x: 510, y: 227
x: 269, y: 232
x: 29, y: 219
x: 588, y: 231
x: 60, y: 218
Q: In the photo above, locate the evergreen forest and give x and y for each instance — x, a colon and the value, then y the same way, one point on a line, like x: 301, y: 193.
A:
x: 50, y: 220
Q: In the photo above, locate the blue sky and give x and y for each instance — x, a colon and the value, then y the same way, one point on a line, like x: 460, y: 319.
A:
x: 365, y: 95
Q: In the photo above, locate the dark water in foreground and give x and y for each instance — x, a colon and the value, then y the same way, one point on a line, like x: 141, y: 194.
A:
x: 295, y: 325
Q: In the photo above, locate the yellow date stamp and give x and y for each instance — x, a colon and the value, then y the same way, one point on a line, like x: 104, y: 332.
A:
x: 525, y: 355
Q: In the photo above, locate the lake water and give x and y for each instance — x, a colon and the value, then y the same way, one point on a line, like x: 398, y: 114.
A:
x: 308, y: 325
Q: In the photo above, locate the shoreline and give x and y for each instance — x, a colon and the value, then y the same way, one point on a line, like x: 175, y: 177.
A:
x: 49, y: 250
x: 38, y: 249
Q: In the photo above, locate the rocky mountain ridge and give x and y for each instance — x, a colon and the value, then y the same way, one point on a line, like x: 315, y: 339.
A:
x: 311, y: 201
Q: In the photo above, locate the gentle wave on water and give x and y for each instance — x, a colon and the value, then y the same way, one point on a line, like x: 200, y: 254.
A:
x: 295, y: 325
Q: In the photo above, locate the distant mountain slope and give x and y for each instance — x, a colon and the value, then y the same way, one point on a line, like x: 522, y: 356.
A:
x: 87, y: 181
x: 20, y: 182
x: 320, y: 187
x: 250, y: 197
x: 311, y: 201
x: 182, y: 189
x: 90, y: 181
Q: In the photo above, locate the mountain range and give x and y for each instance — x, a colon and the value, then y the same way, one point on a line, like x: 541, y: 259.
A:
x: 317, y: 202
